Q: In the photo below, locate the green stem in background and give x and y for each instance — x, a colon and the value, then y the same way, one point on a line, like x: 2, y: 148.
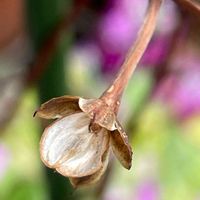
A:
x: 43, y: 16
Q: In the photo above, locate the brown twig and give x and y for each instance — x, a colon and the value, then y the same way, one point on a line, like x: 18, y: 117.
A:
x: 46, y: 52
x: 113, y: 94
x: 162, y: 70
x: 193, y: 6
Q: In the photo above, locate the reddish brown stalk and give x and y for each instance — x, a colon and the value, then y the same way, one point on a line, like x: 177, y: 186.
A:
x: 113, y: 94
x: 192, y: 6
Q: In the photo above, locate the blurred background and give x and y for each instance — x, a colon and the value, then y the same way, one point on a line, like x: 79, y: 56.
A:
x: 51, y: 48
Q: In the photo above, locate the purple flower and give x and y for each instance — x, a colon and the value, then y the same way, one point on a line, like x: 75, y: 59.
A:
x: 186, y: 96
x: 118, y: 28
x: 116, y: 31
x: 111, y: 62
x: 147, y: 191
x: 156, y: 51
x: 181, y: 90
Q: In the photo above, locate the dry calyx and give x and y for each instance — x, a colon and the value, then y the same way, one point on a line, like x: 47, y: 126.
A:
x: 78, y: 143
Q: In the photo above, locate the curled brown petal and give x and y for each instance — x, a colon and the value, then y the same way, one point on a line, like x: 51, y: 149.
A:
x: 121, y: 147
x: 58, y: 107
x: 94, y: 178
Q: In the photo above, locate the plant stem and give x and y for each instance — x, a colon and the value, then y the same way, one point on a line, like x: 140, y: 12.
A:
x: 114, y: 92
x: 192, y: 6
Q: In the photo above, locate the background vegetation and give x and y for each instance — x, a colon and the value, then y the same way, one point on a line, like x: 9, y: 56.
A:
x: 52, y: 48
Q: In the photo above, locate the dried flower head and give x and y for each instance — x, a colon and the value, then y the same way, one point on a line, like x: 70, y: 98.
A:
x: 77, y: 144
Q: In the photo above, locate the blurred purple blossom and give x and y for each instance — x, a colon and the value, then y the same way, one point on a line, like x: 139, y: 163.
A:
x: 116, y: 31
x: 118, y: 28
x: 181, y: 90
x: 147, y: 191
x: 168, y: 19
x: 111, y: 62
x: 186, y: 97
x: 156, y: 51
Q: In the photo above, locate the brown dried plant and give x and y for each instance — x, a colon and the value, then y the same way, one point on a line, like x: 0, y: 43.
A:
x: 78, y: 144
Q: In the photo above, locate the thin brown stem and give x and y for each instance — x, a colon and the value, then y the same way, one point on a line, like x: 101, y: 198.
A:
x: 113, y: 94
x: 193, y: 6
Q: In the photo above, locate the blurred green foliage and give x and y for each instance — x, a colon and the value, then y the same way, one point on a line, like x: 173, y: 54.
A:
x: 24, y: 176
x: 43, y: 18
